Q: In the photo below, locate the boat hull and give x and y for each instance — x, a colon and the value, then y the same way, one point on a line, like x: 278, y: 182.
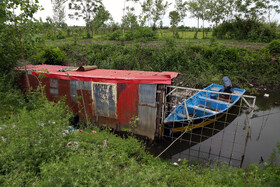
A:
x: 202, y: 109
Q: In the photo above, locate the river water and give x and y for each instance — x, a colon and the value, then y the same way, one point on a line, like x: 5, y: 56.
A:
x: 229, y: 143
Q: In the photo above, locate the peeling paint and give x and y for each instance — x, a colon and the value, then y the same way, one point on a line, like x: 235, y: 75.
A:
x: 104, y: 96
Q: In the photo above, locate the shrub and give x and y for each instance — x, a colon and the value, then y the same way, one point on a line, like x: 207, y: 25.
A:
x: 116, y: 35
x: 246, y: 30
x: 274, y: 47
x: 145, y: 34
x: 53, y: 55
x: 61, y: 34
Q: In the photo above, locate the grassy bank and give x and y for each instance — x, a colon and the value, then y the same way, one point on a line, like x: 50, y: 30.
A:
x: 38, y: 148
x: 199, y: 65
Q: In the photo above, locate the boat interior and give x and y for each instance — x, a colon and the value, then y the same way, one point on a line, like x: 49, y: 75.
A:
x: 206, y: 103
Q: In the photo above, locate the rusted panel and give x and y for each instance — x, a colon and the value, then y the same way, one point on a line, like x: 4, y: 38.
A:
x: 147, y: 94
x: 85, y: 105
x: 147, y: 111
x: 105, y: 99
x: 160, y: 100
x: 147, y: 121
x: 34, y: 83
x: 127, y: 103
x: 64, y: 91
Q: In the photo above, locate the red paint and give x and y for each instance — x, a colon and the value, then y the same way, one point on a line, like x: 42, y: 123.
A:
x: 85, y: 104
x: 104, y: 75
x: 127, y: 103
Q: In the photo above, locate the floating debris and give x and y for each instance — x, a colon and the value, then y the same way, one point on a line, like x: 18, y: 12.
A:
x: 266, y: 95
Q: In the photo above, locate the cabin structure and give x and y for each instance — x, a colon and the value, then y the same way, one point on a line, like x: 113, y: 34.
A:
x: 114, y: 98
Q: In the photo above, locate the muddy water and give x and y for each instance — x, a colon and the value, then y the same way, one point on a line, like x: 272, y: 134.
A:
x: 228, y: 142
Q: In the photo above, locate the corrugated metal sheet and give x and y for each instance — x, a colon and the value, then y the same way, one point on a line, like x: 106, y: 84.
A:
x: 147, y: 110
x: 73, y: 90
x: 147, y: 94
x: 147, y: 121
x: 127, y: 103
x: 105, y: 75
x: 105, y: 99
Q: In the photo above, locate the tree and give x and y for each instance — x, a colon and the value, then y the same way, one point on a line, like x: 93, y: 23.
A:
x: 85, y: 9
x: 129, y: 18
x: 198, y: 10
x: 101, y: 17
x: 17, y: 30
x: 174, y: 20
x: 218, y: 10
x: 194, y: 9
x: 159, y: 10
x: 272, y: 7
x: 59, y: 12
x: 153, y: 10
x: 146, y: 12
x: 250, y: 9
x: 181, y: 8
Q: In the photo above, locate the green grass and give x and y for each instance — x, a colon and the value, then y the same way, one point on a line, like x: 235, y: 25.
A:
x: 185, y: 35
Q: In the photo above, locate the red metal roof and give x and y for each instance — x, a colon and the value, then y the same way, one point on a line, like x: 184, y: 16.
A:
x: 104, y: 75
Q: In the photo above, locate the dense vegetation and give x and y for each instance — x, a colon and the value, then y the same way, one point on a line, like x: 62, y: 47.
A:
x: 199, y: 65
x: 38, y: 148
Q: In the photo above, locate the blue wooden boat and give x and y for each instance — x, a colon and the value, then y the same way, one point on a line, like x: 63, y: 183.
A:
x: 203, y: 108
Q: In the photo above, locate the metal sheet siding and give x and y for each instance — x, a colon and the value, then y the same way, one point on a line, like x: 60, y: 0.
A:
x: 127, y: 103
x: 85, y: 105
x: 105, y: 99
x: 147, y: 110
x: 147, y: 121
x: 104, y: 75
x: 73, y: 90
x: 106, y: 103
x: 147, y: 94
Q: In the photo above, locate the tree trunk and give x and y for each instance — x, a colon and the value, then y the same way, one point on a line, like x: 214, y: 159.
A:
x: 197, y: 29
x: 22, y: 56
x: 203, y: 27
x: 88, y: 30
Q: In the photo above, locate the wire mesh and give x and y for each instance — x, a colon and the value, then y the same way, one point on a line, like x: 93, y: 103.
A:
x: 221, y: 137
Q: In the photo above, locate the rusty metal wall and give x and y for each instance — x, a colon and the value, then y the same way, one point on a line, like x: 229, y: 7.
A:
x: 112, y: 104
x: 127, y: 103
x: 104, y: 96
x: 147, y: 110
